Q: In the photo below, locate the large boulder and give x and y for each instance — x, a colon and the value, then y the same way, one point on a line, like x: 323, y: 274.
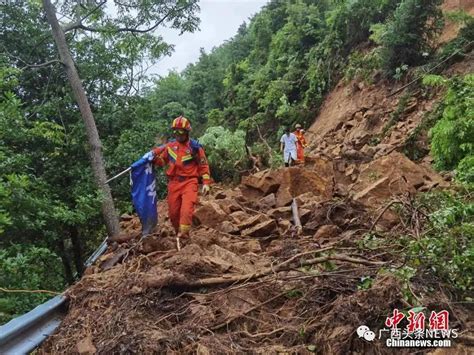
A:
x: 389, y: 176
x: 262, y: 181
x: 252, y: 221
x: 261, y: 230
x: 210, y: 214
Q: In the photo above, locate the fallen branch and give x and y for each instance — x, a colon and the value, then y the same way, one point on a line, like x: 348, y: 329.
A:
x: 179, y: 281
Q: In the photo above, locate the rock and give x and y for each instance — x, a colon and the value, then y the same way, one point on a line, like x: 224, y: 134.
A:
x: 368, y: 150
x: 319, y: 181
x: 371, y: 188
x: 305, y: 214
x: 266, y: 183
x: 341, y: 190
x: 340, y: 166
x: 210, y: 214
x: 353, y: 154
x: 261, y: 230
x: 336, y: 151
x: 252, y: 221
x: 227, y: 260
x: 284, y: 225
x: 351, y: 169
x: 228, y: 206
x: 86, y: 347
x: 248, y: 246
x: 284, y: 197
x: 383, y: 149
x: 249, y: 193
x: 269, y: 201
x: 305, y: 199
x: 202, y: 350
x: 220, y: 195
x: 239, y: 216
x: 228, y: 227
x: 327, y: 231
x: 358, y: 116
x: 126, y: 217
x: 391, y: 175
x: 369, y: 114
x: 280, y: 212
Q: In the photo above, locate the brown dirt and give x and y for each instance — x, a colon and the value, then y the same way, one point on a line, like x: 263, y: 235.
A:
x: 146, y: 297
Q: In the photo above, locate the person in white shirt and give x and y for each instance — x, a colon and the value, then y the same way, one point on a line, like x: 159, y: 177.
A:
x: 288, y: 147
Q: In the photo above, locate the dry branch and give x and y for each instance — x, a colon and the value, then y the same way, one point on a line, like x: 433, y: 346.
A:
x: 179, y: 281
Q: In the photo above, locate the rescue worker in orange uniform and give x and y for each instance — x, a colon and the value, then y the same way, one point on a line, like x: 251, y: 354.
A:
x: 300, y: 144
x: 186, y: 162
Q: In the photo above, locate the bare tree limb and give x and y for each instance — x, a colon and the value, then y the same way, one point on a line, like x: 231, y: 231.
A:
x: 74, y: 25
x: 42, y: 65
x: 80, y: 25
x: 27, y: 65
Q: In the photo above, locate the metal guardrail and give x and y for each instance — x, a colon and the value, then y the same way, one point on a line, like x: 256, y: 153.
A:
x: 23, y: 334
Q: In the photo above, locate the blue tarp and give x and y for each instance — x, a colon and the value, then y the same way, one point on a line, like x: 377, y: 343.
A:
x: 144, y: 194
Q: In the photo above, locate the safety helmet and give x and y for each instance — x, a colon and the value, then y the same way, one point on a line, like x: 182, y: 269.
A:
x: 297, y: 126
x: 181, y: 122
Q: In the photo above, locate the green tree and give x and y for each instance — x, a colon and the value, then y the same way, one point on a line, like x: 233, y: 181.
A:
x: 407, y: 37
x: 225, y: 151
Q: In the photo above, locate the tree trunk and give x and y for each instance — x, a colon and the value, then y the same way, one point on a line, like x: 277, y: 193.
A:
x: 95, y: 152
x: 66, y: 265
x: 76, y: 249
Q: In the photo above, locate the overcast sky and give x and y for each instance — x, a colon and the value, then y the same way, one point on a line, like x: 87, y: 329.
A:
x: 220, y: 20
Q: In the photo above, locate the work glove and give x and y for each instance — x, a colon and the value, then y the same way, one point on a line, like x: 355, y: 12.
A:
x: 205, y: 189
x: 149, y: 156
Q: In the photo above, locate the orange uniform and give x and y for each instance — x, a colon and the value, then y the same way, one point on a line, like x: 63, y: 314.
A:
x: 186, y: 163
x: 300, y: 145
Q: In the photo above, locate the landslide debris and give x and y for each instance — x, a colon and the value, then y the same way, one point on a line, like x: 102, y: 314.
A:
x: 249, y: 282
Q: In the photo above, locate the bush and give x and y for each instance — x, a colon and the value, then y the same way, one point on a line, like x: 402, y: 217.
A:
x: 447, y: 246
x: 225, y: 151
x: 361, y: 66
x: 465, y: 171
x: 27, y: 268
x: 453, y: 135
x: 406, y: 38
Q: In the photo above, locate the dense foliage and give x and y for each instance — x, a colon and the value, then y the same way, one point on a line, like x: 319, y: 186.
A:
x: 452, y: 142
x: 406, y: 39
x: 447, y: 246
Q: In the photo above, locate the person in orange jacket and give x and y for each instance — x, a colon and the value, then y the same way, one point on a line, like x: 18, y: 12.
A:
x: 300, y: 144
x: 186, y: 161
